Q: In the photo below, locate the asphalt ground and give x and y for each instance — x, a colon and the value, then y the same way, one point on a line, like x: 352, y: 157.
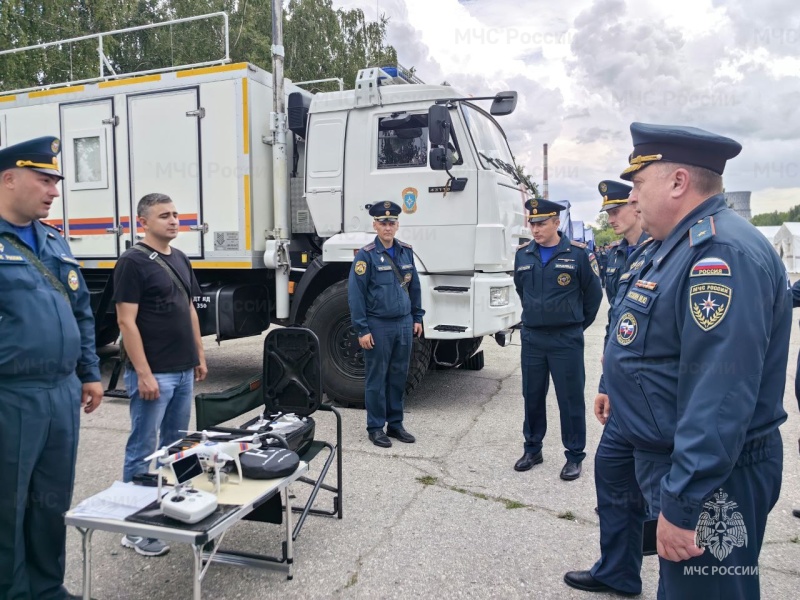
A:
x: 446, y: 517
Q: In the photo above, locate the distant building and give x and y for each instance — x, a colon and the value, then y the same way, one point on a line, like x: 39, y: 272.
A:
x: 787, y: 244
x: 740, y: 202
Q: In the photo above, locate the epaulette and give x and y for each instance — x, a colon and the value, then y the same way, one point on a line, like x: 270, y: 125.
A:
x: 615, y: 243
x: 702, y: 231
x: 369, y: 247
x: 644, y: 243
x: 58, y: 230
x: 578, y: 244
x: 403, y: 244
x: 521, y: 246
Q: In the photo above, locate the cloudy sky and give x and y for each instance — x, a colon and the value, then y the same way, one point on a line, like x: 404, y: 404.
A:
x: 585, y: 69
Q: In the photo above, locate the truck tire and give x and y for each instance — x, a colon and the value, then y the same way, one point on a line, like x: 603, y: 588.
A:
x: 342, y: 357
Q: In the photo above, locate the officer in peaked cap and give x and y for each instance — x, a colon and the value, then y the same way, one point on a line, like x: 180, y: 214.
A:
x: 695, y: 365
x: 48, y: 370
x: 620, y: 504
x: 386, y: 310
x: 558, y: 283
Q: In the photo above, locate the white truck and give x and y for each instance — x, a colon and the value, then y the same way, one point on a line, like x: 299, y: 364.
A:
x: 276, y: 246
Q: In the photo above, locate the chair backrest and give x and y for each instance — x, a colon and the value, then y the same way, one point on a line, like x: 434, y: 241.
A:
x: 292, y: 371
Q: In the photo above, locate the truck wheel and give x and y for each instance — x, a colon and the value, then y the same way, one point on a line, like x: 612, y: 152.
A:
x: 342, y: 357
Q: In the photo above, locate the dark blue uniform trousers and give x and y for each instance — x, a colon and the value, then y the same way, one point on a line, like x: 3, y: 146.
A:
x: 754, y: 484
x: 622, y: 512
x: 387, y: 370
x: 557, y: 352
x: 38, y: 444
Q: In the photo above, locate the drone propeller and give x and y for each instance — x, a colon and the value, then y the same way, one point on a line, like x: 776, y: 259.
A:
x: 162, y: 452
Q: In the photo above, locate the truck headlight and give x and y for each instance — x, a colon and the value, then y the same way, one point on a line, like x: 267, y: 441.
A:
x: 498, y: 296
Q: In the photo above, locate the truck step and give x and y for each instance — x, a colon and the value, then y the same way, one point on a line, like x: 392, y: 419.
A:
x: 451, y: 288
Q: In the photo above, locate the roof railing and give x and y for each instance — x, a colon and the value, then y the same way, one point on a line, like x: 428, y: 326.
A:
x: 105, y: 70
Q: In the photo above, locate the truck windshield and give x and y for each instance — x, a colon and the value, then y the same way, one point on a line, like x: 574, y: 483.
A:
x: 489, y: 140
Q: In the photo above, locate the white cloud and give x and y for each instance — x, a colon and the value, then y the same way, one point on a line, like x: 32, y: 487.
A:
x: 585, y: 69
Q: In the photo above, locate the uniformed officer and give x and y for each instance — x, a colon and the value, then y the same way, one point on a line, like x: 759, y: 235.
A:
x: 558, y: 283
x: 48, y: 370
x: 386, y: 310
x: 695, y: 366
x: 624, y: 220
x: 620, y: 504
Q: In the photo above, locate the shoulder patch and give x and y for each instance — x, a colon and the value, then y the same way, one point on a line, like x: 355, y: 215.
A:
x: 369, y: 247
x: 403, y: 244
x: 710, y: 266
x: 578, y: 244
x: 595, y: 267
x: 360, y: 267
x: 702, y: 231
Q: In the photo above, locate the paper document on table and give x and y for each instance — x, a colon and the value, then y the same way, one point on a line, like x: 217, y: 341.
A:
x: 118, y: 501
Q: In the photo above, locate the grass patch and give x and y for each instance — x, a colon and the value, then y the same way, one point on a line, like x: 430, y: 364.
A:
x: 795, y: 540
x: 428, y: 480
x: 511, y: 504
x: 568, y: 516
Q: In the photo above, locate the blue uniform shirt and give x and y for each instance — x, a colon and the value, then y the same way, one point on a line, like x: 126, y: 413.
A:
x: 42, y: 337
x: 563, y: 292
x: 374, y: 290
x: 695, y: 364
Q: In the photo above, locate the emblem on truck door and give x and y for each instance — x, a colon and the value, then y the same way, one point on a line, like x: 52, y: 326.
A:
x: 409, y: 203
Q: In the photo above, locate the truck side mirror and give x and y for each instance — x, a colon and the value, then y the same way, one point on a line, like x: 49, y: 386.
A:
x: 440, y: 159
x: 504, y: 104
x: 438, y: 125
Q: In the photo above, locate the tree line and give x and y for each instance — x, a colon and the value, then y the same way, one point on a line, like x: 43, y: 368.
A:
x: 319, y: 41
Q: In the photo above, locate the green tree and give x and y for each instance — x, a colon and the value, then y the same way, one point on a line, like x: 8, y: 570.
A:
x: 526, y: 180
x: 319, y: 42
x: 603, y: 233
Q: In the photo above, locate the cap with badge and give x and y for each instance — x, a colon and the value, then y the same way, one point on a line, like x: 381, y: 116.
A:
x: 385, y: 211
x: 614, y: 193
x: 678, y: 144
x: 38, y: 154
x: 541, y: 209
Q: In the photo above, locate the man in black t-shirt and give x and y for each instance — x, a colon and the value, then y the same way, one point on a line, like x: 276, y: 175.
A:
x: 161, y: 334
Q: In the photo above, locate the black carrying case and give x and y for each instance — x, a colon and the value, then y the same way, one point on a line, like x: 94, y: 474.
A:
x: 289, y: 383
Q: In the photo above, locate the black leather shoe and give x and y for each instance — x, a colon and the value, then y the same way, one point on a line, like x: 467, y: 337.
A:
x: 400, y: 434
x: 583, y: 580
x: 571, y: 470
x: 379, y: 439
x: 796, y: 512
x: 528, y: 460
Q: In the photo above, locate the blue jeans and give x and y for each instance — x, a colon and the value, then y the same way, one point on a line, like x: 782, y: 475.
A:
x: 168, y: 415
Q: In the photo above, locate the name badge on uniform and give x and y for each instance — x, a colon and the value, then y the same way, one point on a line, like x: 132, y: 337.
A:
x: 565, y: 266
x: 524, y: 268
x: 625, y: 276
x: 611, y: 269
x: 385, y: 268
x: 640, y: 299
x: 406, y: 266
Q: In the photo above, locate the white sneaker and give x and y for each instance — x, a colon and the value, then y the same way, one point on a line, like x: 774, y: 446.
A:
x: 145, y: 546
